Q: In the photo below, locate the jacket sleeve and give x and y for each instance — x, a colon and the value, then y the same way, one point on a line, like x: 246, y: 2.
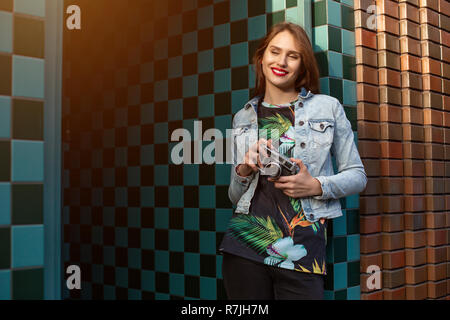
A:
x: 238, y: 184
x: 351, y: 177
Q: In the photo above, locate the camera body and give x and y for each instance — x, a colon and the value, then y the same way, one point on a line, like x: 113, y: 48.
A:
x: 277, y: 165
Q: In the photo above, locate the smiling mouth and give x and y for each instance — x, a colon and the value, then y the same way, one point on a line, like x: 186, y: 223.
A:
x: 279, y: 72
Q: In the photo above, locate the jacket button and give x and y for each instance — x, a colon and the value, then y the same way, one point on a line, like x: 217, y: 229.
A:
x: 311, y: 216
x: 301, y: 123
x: 300, y: 104
x: 321, y: 126
x: 302, y: 144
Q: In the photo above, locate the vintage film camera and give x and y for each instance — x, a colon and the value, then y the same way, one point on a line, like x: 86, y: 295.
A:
x: 276, y: 165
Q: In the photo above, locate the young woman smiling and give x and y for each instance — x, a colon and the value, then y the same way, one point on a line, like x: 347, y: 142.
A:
x: 275, y: 245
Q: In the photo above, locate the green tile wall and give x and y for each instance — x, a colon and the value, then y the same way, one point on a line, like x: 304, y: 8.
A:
x: 21, y: 149
x: 139, y: 226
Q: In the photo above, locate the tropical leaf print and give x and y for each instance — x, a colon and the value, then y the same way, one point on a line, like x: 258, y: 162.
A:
x: 300, y: 218
x: 276, y: 125
x: 255, y: 232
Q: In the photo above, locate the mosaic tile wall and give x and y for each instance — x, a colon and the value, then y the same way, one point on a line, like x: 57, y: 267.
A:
x: 21, y: 149
x: 139, y: 226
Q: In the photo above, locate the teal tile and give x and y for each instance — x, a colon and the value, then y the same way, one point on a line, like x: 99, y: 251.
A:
x: 160, y: 50
x: 251, y: 77
x: 191, y: 218
x: 161, y: 132
x: 5, y: 285
x: 28, y: 284
x: 97, y: 273
x: 328, y: 295
x: 222, y: 35
x: 6, y: 31
x: 335, y: 64
x: 205, y: 17
x: 354, y: 293
x: 207, y: 197
x: 275, y: 5
x: 176, y: 197
x: 349, y: 99
x: 239, y: 54
x: 24, y: 166
x: 109, y: 292
x: 219, y: 261
x: 121, y: 277
x: 238, y: 99
x: 134, y: 258
x: 161, y: 261
x: 175, y: 67
x: 256, y: 27
x: 340, y: 276
x: 192, y: 264
x: 291, y: 3
x: 340, y: 226
x: 208, y: 288
x: 176, y: 284
x: 352, y: 201
x: 161, y: 175
x: 207, y: 242
x: 162, y: 296
x: 176, y: 240
x: 353, y: 251
x: 348, y: 42
x: 334, y: 13
x: 206, y: 106
x: 134, y: 294
x: 348, y: 17
x: 292, y: 14
x: 148, y: 238
x: 147, y: 113
x: 223, y: 216
x: 161, y: 90
x: 238, y: 10
x: 190, y: 86
x: 5, y: 203
x: 190, y: 174
x: 147, y: 72
x: 121, y: 197
x: 320, y: 38
x: 222, y: 80
x: 147, y: 155
x: 121, y: 236
x: 134, y: 136
x: 324, y: 85
x: 28, y: 77
x: 348, y: 2
x: 27, y: 246
x: 222, y: 174
x: 161, y: 218
x: 205, y: 61
x: 147, y: 197
x: 274, y: 18
x: 189, y: 42
x: 148, y: 280
x: 35, y: 7
x: 109, y: 256
x: 5, y: 115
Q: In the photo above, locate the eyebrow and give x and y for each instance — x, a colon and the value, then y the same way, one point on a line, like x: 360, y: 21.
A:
x: 290, y: 51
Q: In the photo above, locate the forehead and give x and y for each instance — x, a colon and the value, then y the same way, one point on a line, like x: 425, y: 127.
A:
x: 285, y: 40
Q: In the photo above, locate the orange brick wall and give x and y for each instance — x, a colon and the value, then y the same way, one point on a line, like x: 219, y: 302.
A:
x: 403, y: 92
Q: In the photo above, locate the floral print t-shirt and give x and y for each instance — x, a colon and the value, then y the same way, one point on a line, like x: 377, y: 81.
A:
x: 276, y: 232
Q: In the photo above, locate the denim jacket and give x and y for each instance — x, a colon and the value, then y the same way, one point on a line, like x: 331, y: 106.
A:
x: 321, y: 129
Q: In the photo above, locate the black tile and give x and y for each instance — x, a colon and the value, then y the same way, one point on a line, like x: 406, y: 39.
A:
x: 5, y: 160
x: 207, y: 219
x: 162, y: 282
x: 108, y: 236
x: 207, y: 265
x: 175, y: 175
x: 256, y: 8
x: 5, y: 75
x: 134, y: 156
x: 162, y: 196
x: 175, y: 7
x: 175, y: 44
x: 121, y: 217
x: 222, y: 103
x: 207, y: 174
x: 160, y: 28
x: 147, y: 93
x: 205, y: 39
x: 190, y: 108
x: 28, y: 284
x: 175, y: 88
x: 239, y: 78
x: 85, y: 234
x: 121, y: 293
x: 134, y: 238
x: 161, y: 69
x: 221, y: 293
x: 6, y: 5
x: 134, y: 115
x: 176, y: 262
x: 29, y: 37
x: 97, y: 254
x: 161, y: 153
x: 190, y: 196
x: 5, y: 248
x: 176, y: 218
x: 191, y: 241
x: 97, y: 291
x: 27, y: 204
x: 353, y: 278
x: 190, y: 64
x: 121, y: 257
x: 205, y: 83
x: 238, y: 31
x: 161, y: 239
x: 148, y: 295
x: 329, y: 278
x: 192, y: 286
x: 147, y: 218
x: 148, y: 260
x: 28, y: 119
x: 222, y: 200
x: 147, y: 134
x: 222, y: 57
x: 189, y: 21
x: 134, y: 278
x: 340, y: 295
x: 134, y: 197
x: 221, y: 12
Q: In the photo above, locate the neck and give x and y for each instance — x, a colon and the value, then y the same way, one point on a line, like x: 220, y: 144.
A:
x: 274, y: 95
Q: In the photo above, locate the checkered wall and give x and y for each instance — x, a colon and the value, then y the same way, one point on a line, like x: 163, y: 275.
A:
x: 139, y: 226
x: 21, y: 149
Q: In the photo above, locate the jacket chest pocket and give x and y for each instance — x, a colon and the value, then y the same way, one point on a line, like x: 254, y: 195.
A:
x: 322, y: 132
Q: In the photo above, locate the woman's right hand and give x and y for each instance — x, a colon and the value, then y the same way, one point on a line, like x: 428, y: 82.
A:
x: 251, y: 159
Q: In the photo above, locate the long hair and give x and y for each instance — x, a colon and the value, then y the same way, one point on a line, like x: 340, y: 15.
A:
x: 309, y: 71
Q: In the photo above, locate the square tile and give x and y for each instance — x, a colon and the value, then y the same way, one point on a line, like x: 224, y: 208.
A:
x: 28, y: 119
x: 5, y: 160
x: 28, y: 284
x: 334, y: 13
x: 353, y: 250
x: 29, y: 35
x: 256, y: 7
x: 274, y: 18
x: 239, y: 54
x: 27, y: 204
x: 5, y: 117
x: 5, y: 247
x: 6, y: 5
x: 28, y: 77
x: 348, y: 17
x: 5, y: 203
x: 319, y: 9
x: 334, y: 39
x: 27, y: 161
x: 335, y: 64
x: 5, y: 285
x: 256, y: 27
x: 27, y: 246
x: 238, y: 10
x: 340, y: 276
x: 6, y: 31
x: 275, y: 5
x: 348, y: 42
x: 5, y: 76
x: 35, y: 7
x: 222, y: 35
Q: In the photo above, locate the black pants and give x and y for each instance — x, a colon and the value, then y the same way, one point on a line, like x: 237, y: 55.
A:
x: 246, y: 279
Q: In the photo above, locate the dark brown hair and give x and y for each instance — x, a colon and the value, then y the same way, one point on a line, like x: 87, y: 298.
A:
x: 309, y: 71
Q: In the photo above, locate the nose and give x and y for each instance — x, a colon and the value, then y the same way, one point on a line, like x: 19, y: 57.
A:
x: 282, y: 60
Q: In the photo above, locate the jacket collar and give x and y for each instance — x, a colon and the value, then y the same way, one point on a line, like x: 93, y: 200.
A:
x: 303, y: 94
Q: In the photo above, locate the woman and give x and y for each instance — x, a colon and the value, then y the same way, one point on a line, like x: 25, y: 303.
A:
x: 275, y: 245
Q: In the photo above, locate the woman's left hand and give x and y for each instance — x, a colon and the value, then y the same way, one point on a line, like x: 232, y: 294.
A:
x: 301, y: 185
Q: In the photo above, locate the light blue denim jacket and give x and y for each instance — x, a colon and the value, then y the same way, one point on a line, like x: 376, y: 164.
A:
x: 325, y: 131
